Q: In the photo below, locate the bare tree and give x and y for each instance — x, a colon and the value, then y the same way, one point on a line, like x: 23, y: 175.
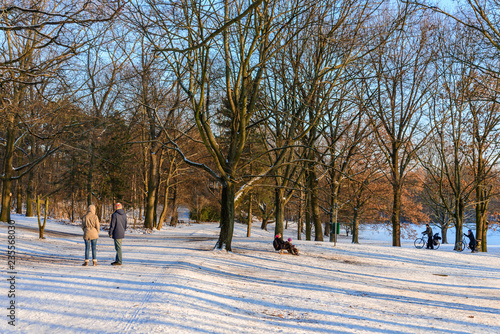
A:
x: 480, y: 19
x: 37, y: 41
x: 401, y: 91
x: 366, y: 187
x: 244, y: 48
x: 480, y: 16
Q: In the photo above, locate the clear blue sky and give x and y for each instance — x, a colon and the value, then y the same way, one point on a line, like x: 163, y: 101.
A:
x: 446, y: 4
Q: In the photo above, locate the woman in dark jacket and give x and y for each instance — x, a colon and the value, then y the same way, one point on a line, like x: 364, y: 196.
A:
x: 280, y: 244
x: 472, y: 240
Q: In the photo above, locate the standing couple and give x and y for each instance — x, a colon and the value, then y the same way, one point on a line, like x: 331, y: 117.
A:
x: 117, y: 227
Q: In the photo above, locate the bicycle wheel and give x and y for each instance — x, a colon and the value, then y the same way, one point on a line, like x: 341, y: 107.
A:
x: 419, y: 243
x: 461, y: 246
x: 436, y: 244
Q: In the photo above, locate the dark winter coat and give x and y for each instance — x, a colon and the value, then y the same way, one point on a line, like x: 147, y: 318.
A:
x: 278, y: 244
x: 428, y: 231
x: 118, y: 224
x: 472, y: 240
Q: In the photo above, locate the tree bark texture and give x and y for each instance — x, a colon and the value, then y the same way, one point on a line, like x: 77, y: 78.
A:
x: 227, y: 217
x: 149, y: 221
x: 8, y: 173
x: 279, y: 211
x: 249, y: 223
x: 459, y: 222
x: 314, y: 202
x: 355, y: 227
x: 396, y: 214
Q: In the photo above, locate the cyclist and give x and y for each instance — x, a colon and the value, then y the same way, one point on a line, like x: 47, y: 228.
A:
x: 472, y: 240
x: 428, y: 231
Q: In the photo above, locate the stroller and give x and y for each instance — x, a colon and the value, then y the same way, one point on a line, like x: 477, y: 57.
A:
x: 435, y: 239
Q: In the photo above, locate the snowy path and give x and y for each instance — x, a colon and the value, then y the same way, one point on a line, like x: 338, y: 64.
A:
x: 172, y: 282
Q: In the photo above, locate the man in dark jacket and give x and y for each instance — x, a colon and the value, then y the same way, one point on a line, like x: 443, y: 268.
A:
x: 428, y: 231
x: 472, y: 240
x: 117, y: 229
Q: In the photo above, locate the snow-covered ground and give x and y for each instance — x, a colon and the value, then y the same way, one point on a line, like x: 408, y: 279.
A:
x: 173, y: 282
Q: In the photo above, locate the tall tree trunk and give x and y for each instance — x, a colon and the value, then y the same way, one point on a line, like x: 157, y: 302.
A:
x: 334, y: 198
x: 134, y: 198
x: 19, y: 202
x: 313, y: 190
x: 484, y: 240
x: 308, y: 218
x: 327, y: 229
x: 263, y: 225
x: 8, y: 172
x: 227, y: 216
x: 250, y: 200
x: 249, y: 227
x: 90, y: 175
x: 155, y: 207
x: 19, y: 192
x: 279, y: 211
x: 174, y: 219
x: 482, y: 199
x: 141, y: 205
x: 265, y: 216
x: 355, y: 226
x: 159, y: 163
x: 99, y: 209
x: 30, y: 187
x: 459, y: 222
x: 444, y: 234
x: 301, y: 216
x: 149, y: 221
x: 41, y: 227
x: 30, y: 197
x: 163, y: 215
x: 396, y: 214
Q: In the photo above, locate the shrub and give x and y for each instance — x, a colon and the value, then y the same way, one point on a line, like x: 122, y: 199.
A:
x: 207, y: 214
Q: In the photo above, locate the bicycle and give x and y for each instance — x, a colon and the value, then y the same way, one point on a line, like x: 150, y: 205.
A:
x: 421, y: 243
x: 462, y: 245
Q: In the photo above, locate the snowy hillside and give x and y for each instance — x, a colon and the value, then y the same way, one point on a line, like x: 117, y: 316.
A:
x: 173, y: 282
